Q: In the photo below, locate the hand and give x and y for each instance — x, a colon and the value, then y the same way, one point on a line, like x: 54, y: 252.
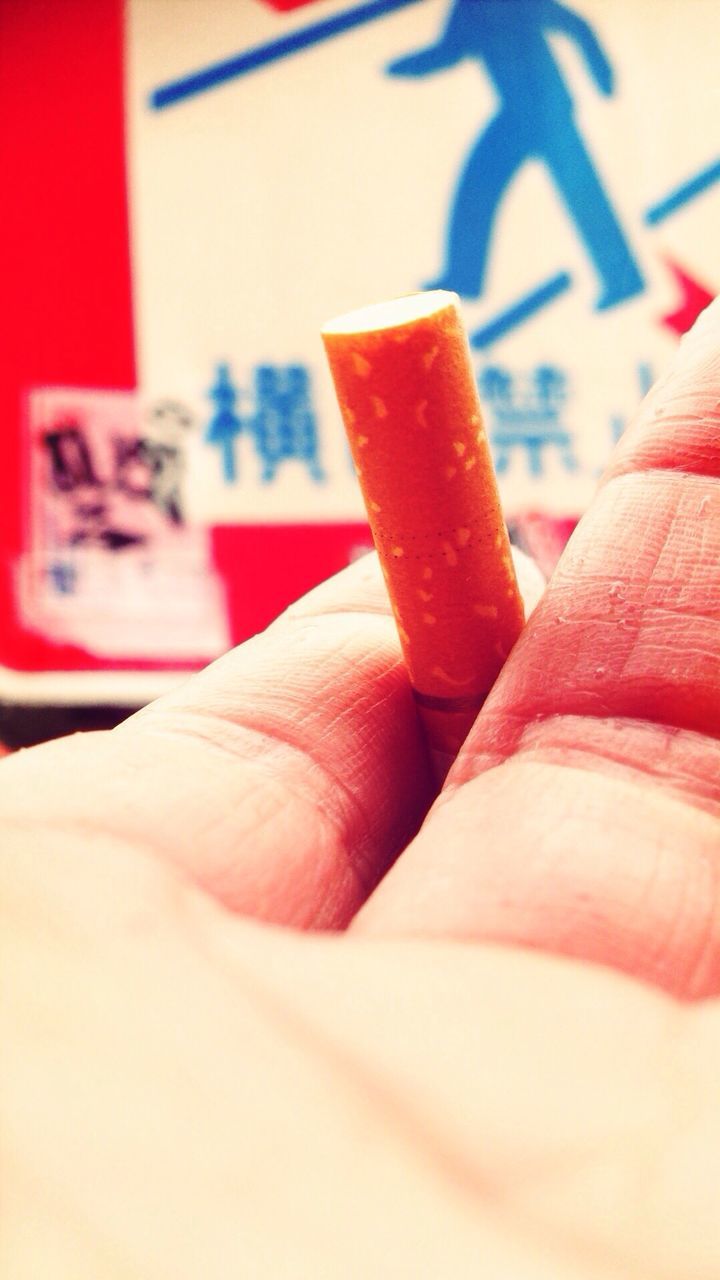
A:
x: 486, y: 1071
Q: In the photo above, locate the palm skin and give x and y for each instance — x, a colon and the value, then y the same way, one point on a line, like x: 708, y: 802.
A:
x: 499, y: 1062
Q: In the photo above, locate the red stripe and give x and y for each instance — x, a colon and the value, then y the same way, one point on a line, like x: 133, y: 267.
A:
x: 66, y: 291
x: 64, y: 246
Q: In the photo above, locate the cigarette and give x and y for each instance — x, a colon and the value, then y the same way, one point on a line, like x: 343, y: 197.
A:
x: 407, y: 394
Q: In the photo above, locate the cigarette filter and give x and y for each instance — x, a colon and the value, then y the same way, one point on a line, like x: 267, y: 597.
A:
x: 407, y: 394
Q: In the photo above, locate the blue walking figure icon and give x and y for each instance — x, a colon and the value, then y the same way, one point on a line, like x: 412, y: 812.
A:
x: 534, y: 121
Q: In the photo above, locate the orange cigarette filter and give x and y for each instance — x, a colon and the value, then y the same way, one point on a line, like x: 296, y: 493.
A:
x: 407, y: 394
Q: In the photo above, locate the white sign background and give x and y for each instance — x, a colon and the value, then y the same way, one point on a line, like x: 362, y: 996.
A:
x: 318, y: 183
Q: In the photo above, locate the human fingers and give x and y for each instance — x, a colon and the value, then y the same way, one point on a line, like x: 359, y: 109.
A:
x: 283, y: 779
x: 583, y: 815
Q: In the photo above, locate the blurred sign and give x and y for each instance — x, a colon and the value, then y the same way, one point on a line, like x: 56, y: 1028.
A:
x: 112, y: 562
x: 267, y: 164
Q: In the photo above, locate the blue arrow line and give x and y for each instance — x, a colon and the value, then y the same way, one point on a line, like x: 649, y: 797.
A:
x: 259, y: 56
x: 682, y: 194
x: 521, y: 310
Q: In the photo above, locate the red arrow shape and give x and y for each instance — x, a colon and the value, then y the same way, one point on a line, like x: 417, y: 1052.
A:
x: 694, y: 298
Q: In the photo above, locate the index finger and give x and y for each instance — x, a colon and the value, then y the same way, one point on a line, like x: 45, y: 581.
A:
x: 283, y: 779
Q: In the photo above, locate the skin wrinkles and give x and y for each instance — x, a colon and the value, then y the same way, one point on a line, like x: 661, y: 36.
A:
x: 319, y: 798
x: 681, y: 759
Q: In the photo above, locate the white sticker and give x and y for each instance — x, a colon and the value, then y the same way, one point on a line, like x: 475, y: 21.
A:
x: 111, y: 563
